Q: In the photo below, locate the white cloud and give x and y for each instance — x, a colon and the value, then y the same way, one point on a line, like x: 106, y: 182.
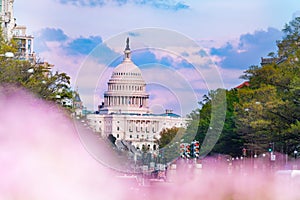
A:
x: 92, y: 81
x: 174, y: 89
x: 217, y: 20
x: 157, y: 4
x: 62, y: 62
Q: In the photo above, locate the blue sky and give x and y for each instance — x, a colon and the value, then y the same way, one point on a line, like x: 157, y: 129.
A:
x: 233, y: 34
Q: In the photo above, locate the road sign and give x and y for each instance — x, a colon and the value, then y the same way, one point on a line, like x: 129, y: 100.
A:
x: 273, y: 157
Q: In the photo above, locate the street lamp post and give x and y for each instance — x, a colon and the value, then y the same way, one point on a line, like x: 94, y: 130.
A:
x: 8, y: 55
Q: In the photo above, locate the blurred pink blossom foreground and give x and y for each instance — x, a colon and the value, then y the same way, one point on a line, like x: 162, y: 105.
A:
x: 42, y: 157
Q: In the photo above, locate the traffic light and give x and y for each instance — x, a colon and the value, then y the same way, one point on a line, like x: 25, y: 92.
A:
x: 188, y: 151
x: 192, y: 149
x: 182, y: 150
x: 196, y: 149
x: 270, y: 149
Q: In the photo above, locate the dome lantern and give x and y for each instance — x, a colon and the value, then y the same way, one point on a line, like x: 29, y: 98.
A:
x: 127, y: 51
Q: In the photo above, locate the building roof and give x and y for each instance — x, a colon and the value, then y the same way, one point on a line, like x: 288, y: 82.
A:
x: 276, y: 60
x: 149, y: 114
x: 77, y: 97
x: 244, y: 84
x: 163, y: 115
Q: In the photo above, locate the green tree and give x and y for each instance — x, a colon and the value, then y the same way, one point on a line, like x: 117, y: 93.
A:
x: 166, y: 136
x: 35, y: 77
x: 268, y: 110
x: 256, y: 120
x: 169, y: 143
x: 229, y: 141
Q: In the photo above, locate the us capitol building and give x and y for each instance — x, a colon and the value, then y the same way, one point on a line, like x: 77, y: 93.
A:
x: 125, y: 112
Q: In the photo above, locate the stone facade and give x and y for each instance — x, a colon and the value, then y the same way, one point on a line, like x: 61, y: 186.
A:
x: 25, y: 44
x: 10, y: 31
x: 8, y: 22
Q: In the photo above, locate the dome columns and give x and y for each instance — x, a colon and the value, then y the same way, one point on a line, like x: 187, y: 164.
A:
x: 134, y: 101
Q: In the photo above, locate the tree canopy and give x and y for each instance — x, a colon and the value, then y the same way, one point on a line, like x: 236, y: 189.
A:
x: 267, y: 111
x: 35, y: 77
x: 229, y: 142
x: 269, y: 108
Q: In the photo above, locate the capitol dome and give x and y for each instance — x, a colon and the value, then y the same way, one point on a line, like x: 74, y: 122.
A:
x: 126, y: 89
x: 127, y: 70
